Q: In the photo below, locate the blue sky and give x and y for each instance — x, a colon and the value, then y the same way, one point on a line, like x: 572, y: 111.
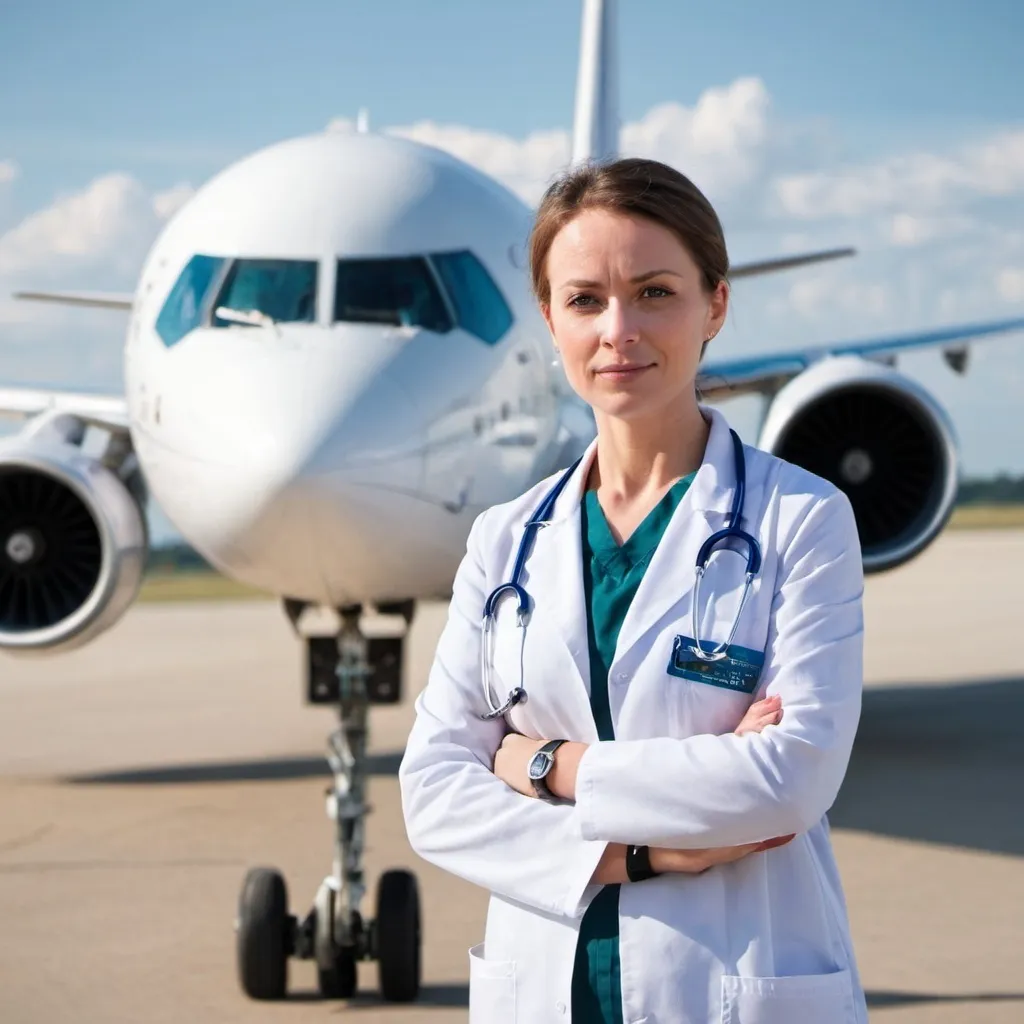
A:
x: 177, y: 90
x: 895, y: 126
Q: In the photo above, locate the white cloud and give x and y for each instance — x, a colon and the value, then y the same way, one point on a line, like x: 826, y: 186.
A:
x: 718, y: 141
x: 524, y: 165
x: 910, y: 230
x: 8, y: 171
x: 915, y: 181
x: 107, y: 220
x: 167, y: 204
x: 94, y: 238
x: 1010, y: 283
x: 832, y: 293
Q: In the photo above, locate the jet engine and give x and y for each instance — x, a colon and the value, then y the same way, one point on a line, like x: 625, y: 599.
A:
x: 73, y: 546
x: 881, y: 439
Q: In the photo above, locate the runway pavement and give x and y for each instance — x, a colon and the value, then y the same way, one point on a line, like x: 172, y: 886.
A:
x: 140, y: 777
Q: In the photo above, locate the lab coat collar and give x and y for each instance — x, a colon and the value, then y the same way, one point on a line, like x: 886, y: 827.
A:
x: 712, y: 488
x: 669, y: 578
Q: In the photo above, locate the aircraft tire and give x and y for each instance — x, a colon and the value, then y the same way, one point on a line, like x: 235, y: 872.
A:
x: 339, y: 981
x: 398, y: 936
x: 262, y: 939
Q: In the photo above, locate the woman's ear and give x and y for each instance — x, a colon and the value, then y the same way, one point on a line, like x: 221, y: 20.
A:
x: 545, y: 311
x: 717, y: 309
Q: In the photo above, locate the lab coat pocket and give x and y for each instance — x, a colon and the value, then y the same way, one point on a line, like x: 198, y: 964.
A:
x: 809, y: 999
x: 492, y: 989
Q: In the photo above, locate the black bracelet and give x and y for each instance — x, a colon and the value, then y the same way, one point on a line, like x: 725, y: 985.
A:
x: 638, y: 864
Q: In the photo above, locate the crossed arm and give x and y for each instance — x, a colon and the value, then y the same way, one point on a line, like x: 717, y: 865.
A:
x: 515, y: 753
x: 702, y: 793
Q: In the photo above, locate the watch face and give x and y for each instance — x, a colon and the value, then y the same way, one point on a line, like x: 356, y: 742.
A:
x: 539, y: 766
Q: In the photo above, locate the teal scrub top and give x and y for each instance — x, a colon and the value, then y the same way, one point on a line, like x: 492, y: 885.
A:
x: 611, y: 576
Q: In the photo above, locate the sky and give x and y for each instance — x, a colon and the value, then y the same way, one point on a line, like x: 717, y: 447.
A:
x: 896, y: 126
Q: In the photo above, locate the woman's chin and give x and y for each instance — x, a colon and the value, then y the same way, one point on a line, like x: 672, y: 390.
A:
x: 632, y: 402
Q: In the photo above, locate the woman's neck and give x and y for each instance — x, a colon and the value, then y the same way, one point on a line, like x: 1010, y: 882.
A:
x: 643, y: 457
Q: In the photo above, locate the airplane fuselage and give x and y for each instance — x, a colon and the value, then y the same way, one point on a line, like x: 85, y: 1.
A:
x: 338, y: 451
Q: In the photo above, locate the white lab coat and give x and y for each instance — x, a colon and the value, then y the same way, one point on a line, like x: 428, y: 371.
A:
x: 761, y: 941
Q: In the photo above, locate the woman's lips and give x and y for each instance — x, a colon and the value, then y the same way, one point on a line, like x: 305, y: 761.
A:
x: 622, y: 373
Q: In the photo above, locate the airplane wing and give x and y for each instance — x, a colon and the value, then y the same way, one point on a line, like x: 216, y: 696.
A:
x: 770, y: 372
x: 95, y: 300
x: 803, y: 259
x: 108, y: 411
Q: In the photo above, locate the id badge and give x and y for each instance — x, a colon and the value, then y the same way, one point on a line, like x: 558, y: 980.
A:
x: 739, y: 670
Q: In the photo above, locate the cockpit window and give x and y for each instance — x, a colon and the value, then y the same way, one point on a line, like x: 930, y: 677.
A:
x: 186, y: 305
x: 479, y: 306
x: 400, y: 292
x: 282, y: 290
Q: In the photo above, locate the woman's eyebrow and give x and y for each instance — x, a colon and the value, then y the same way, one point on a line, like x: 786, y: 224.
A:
x: 639, y: 279
x: 653, y: 273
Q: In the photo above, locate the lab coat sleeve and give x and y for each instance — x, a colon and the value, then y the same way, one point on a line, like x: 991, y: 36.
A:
x: 712, y: 791
x: 458, y: 815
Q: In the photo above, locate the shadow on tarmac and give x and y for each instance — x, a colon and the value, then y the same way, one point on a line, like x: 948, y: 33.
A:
x: 936, y: 763
x: 263, y: 770
x: 879, y: 1000
x: 452, y: 995
x: 939, y: 764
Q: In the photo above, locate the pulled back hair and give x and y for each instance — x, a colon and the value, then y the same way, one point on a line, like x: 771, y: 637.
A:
x: 634, y: 187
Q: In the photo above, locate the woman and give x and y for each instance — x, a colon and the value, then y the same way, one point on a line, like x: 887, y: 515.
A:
x: 640, y: 865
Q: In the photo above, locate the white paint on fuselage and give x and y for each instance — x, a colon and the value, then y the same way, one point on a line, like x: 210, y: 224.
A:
x: 341, y: 462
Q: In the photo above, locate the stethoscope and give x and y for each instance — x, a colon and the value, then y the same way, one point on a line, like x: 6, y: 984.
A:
x: 732, y: 534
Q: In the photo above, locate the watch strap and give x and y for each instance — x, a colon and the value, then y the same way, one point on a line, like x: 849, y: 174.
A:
x: 638, y: 864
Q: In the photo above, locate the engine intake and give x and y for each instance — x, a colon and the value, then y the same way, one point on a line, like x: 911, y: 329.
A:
x: 72, y: 547
x: 881, y: 439
x: 52, y: 551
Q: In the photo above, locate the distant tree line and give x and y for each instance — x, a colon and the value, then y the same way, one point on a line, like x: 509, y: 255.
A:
x: 999, y: 490
x: 177, y: 557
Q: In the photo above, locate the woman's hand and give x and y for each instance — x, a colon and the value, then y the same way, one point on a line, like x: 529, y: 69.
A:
x: 759, y: 714
x: 516, y: 752
x: 611, y: 868
x: 695, y: 862
x: 512, y: 760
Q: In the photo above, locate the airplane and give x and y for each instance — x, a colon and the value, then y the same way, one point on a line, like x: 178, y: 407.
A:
x: 333, y: 363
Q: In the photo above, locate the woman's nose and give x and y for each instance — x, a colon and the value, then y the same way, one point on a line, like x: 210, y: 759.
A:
x: 618, y: 327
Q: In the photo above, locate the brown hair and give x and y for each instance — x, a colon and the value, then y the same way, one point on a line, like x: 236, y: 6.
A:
x: 635, y: 187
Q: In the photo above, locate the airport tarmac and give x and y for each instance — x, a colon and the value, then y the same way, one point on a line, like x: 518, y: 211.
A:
x: 141, y: 776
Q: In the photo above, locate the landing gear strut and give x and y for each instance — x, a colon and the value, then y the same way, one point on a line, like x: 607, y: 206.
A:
x: 333, y: 932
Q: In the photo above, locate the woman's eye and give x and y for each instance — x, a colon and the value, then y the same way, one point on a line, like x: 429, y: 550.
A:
x: 654, y: 291
x: 582, y: 301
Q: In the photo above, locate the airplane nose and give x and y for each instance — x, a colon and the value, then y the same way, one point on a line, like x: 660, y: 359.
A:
x: 284, y: 454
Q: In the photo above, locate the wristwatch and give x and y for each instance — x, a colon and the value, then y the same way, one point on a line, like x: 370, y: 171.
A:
x: 540, y: 764
x: 638, y: 864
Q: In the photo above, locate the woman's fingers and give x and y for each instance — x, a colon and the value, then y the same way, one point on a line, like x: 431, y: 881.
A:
x: 728, y: 854
x: 759, y: 714
x: 771, y: 844
x: 699, y: 861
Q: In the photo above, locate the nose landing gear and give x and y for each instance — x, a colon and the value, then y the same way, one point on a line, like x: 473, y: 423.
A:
x: 333, y: 932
